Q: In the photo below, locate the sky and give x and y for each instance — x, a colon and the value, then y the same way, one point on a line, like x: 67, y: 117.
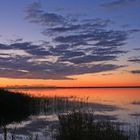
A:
x: 70, y: 43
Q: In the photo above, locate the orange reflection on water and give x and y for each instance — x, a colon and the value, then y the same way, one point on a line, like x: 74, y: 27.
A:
x: 122, y: 98
x: 111, y: 95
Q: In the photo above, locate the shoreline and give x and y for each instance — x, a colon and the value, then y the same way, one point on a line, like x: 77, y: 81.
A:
x: 32, y: 87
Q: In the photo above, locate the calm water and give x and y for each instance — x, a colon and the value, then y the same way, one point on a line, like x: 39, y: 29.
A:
x: 122, y: 103
x: 119, y: 104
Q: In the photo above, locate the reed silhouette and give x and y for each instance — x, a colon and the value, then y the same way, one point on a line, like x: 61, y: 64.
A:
x: 15, y: 106
x: 79, y: 125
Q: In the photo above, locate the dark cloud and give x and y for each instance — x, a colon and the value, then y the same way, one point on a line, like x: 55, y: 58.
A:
x: 135, y: 71
x: 5, y: 54
x: 60, y: 49
x: 36, y: 15
x: 112, y: 38
x: 137, y: 49
x: 135, y: 114
x: 65, y: 30
x: 74, y: 47
x: 28, y: 47
x: 71, y: 54
x: 30, y: 66
x: 134, y: 30
x: 107, y: 51
x: 23, y: 46
x: 125, y: 26
x: 88, y: 25
x: 136, y: 102
x: 120, y: 4
x: 136, y: 59
x: 103, y: 38
x: 21, y: 67
x: 17, y: 39
x: 88, y: 59
x: 4, y: 47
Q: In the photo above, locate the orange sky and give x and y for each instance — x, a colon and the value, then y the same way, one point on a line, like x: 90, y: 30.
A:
x: 99, y: 79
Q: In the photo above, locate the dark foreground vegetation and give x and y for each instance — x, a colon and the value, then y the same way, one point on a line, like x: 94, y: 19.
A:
x: 73, y: 124
x: 15, y: 106
x: 78, y: 125
x: 82, y: 126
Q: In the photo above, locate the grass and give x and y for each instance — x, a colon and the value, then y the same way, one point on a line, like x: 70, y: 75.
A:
x: 15, y: 106
x: 79, y: 125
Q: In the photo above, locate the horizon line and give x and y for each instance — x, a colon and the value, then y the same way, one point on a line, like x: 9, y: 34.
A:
x: 56, y: 87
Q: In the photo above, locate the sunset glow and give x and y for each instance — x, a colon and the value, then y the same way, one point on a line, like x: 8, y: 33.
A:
x: 69, y: 43
x: 70, y: 69
x: 82, y: 80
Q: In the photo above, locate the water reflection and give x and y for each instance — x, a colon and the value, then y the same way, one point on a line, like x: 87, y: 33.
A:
x: 119, y: 105
x: 114, y: 95
x: 121, y: 101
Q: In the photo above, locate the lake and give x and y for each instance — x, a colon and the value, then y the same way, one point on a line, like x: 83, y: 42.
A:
x: 117, y: 104
x: 126, y: 101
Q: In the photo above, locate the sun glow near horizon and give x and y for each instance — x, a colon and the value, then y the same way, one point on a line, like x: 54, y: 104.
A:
x: 110, y: 79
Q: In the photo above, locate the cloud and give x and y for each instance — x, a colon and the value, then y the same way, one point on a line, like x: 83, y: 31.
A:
x: 103, y: 37
x: 107, y: 51
x: 88, y: 59
x: 137, y: 49
x: 135, y: 71
x: 71, y: 54
x: 21, y: 68
x: 32, y: 66
x: 28, y: 47
x: 135, y: 59
x: 120, y: 4
x: 5, y: 47
x: 36, y: 15
x: 88, y: 25
x: 66, y: 30
x: 74, y: 47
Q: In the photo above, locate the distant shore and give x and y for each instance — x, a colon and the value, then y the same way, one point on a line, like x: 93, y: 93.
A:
x: 61, y: 87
